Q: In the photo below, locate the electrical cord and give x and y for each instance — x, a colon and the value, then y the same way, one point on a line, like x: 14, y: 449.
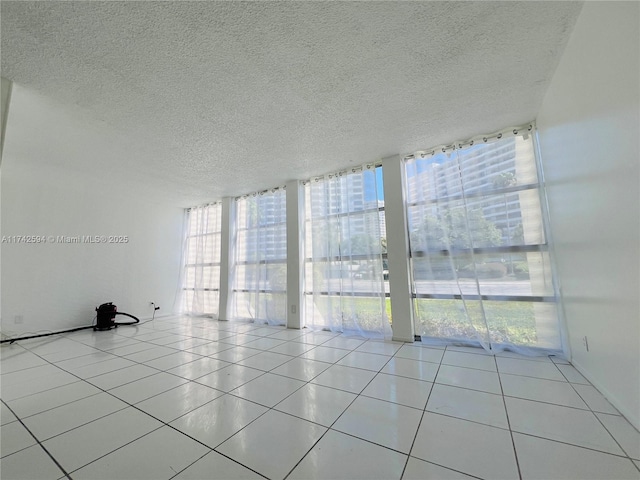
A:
x: 152, y: 317
x: 155, y: 309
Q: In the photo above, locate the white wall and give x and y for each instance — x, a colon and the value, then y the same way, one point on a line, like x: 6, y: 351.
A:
x: 589, y: 129
x: 5, y: 98
x: 54, y: 286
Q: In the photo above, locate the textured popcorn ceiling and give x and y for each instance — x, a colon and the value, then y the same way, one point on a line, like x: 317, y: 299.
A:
x: 206, y: 99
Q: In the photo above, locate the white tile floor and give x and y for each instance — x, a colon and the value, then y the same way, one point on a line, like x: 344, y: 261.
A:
x: 191, y: 398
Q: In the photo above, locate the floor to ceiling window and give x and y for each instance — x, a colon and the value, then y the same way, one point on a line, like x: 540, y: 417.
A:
x: 259, y: 278
x: 480, y: 263
x: 346, y: 272
x: 479, y: 253
x: 201, y: 274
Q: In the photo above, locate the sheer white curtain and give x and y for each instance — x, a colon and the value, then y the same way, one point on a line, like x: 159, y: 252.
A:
x: 260, y: 267
x: 480, y: 258
x: 345, y: 253
x: 201, y: 273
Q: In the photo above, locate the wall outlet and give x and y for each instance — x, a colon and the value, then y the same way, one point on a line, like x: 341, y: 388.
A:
x: 585, y: 342
x: 18, y: 319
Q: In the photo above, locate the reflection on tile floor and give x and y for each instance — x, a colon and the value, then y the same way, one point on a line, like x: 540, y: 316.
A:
x: 193, y: 398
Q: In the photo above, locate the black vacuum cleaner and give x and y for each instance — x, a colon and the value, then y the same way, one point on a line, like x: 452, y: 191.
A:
x: 107, y: 313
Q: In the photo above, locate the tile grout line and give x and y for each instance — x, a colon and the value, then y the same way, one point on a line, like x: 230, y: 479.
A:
x: 218, y: 453
x: 334, y: 363
x: 119, y: 410
x: 267, y: 411
x: 38, y: 442
x: 138, y: 438
x: 338, y: 418
x: 376, y: 373
x: 136, y: 362
x: 95, y: 419
x: 506, y: 412
x: 573, y: 445
x: 594, y: 413
x: 424, y: 410
x: 254, y: 420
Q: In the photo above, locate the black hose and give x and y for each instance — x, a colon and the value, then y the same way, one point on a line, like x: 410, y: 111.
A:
x: 11, y: 340
x: 137, y: 320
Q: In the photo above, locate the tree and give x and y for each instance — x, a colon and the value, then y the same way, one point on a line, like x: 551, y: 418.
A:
x: 504, y: 180
x: 517, y: 235
x: 369, y: 245
x: 385, y: 260
x: 450, y: 231
x: 361, y: 244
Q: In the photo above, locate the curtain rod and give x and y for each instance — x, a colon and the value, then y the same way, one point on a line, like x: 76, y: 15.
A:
x: 459, y: 145
x: 343, y: 172
x: 210, y: 204
x: 260, y: 192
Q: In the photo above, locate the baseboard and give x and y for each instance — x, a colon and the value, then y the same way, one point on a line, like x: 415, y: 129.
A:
x: 632, y: 417
x: 401, y: 339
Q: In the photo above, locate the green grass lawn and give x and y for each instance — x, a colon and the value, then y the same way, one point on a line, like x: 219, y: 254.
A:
x: 508, y: 322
